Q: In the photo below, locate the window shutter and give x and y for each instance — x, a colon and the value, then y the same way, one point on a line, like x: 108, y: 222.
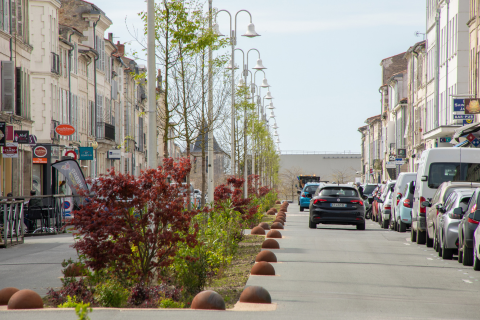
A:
x: 103, y: 55
x: 14, y: 17
x: 19, y: 91
x: 19, y: 18
x: 8, y: 87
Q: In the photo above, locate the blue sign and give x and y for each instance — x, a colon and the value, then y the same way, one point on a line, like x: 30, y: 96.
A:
x: 468, y: 121
x: 475, y: 142
x: 458, y: 104
x: 85, y: 153
x: 464, y: 116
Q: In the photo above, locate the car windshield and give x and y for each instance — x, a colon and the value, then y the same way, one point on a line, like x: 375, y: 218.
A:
x: 338, y: 192
x: 369, y: 189
x: 311, y: 189
x: 451, y: 171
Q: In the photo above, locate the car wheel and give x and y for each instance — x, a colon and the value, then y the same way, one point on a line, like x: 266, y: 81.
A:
x: 385, y: 224
x: 420, y: 237
x: 460, y: 256
x: 467, y: 256
x: 428, y: 240
x: 302, y: 208
x: 311, y: 225
x: 447, y: 254
x: 402, y: 227
x: 476, y: 261
x: 413, y: 235
x: 435, y: 241
x: 361, y: 226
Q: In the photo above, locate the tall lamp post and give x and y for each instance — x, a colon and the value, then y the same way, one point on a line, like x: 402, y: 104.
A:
x: 233, y: 41
x: 152, y: 101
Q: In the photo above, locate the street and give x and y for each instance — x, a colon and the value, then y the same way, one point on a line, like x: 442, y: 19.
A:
x: 332, y: 272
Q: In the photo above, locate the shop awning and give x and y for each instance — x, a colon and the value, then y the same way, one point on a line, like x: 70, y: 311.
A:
x: 462, y: 144
x: 466, y: 130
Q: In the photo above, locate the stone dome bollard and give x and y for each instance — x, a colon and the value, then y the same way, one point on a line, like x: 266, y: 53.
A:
x: 266, y: 255
x: 263, y: 268
x: 25, y: 299
x: 255, y: 294
x: 274, y: 234
x: 270, y: 244
x: 264, y: 225
x: 258, y: 231
x: 270, y: 212
x: 208, y: 300
x: 277, y: 225
x: 6, y: 294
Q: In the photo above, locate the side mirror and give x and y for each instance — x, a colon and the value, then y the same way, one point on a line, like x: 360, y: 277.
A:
x: 364, y: 197
x: 424, y: 178
x: 458, y: 211
x: 440, y: 208
x: 426, y: 204
x: 299, y: 192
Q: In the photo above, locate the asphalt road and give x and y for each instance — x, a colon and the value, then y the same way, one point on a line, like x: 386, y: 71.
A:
x: 333, y: 272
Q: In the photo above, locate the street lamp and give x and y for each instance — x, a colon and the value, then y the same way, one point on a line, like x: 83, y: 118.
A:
x: 233, y: 41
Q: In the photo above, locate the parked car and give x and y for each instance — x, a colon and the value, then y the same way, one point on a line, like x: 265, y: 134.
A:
x: 306, y: 194
x: 403, y: 213
x: 402, y: 180
x: 448, y: 221
x: 476, y: 250
x: 435, y: 207
x: 368, y: 190
x: 384, y: 216
x: 436, y: 166
x: 337, y: 204
x: 466, y: 229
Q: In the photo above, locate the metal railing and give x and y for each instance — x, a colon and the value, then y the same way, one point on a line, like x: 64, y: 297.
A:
x: 319, y: 152
x: 105, y: 131
x: 18, y: 219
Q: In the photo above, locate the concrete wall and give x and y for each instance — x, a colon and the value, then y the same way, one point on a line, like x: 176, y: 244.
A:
x: 323, y: 165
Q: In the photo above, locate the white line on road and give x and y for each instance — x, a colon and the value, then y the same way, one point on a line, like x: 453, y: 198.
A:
x: 467, y: 281
x: 407, y: 244
x: 429, y: 259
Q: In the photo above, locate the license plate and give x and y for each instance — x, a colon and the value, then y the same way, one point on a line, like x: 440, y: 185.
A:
x: 338, y: 205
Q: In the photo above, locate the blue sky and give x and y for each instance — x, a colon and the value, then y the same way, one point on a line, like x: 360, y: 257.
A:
x: 322, y: 57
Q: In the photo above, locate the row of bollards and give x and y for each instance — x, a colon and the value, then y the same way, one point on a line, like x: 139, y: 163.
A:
x: 210, y: 300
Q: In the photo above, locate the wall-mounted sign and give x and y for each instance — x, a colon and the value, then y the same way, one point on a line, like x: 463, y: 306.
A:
x: 468, y: 121
x: 458, y: 105
x: 71, y: 153
x: 445, y: 140
x: 21, y: 136
x: 9, y: 133
x: 32, y: 140
x: 114, y: 154
x: 463, y: 116
x: 85, y: 153
x: 40, y: 155
x: 10, y: 150
x: 3, y: 128
x: 402, y: 153
x: 472, y: 106
x: 65, y: 130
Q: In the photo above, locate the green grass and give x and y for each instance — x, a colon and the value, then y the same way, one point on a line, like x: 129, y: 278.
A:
x: 233, y: 279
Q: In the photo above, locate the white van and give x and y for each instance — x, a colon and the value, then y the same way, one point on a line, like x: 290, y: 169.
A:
x: 436, y: 166
x: 402, y: 180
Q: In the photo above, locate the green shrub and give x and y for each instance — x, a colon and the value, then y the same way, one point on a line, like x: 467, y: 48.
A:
x: 81, y: 309
x: 169, y: 303
x: 111, y: 294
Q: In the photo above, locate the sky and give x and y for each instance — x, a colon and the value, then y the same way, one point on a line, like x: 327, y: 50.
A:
x: 322, y: 58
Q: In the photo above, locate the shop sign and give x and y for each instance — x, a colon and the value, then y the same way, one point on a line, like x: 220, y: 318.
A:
x: 71, y: 153
x: 463, y: 117
x: 65, y: 130
x: 2, y: 133
x: 402, y: 153
x: 114, y: 154
x: 21, y: 136
x: 85, y: 153
x: 9, y: 133
x: 10, y: 150
x: 40, y: 155
x: 445, y: 140
x: 472, y: 106
x: 32, y: 140
x: 458, y: 105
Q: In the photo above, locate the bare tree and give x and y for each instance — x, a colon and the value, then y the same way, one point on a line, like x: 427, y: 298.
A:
x: 288, y: 181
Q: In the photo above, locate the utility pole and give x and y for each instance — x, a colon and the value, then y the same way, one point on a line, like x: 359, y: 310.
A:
x: 211, y: 160
x: 152, y: 94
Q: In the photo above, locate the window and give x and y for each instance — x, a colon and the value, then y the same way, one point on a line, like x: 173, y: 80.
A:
x: 338, y: 192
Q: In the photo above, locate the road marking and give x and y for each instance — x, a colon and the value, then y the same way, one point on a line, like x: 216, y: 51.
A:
x: 407, y: 244
x: 429, y: 259
x: 467, y: 281
x: 466, y: 273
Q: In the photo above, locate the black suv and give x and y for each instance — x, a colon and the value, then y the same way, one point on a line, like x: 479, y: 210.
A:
x: 337, y: 204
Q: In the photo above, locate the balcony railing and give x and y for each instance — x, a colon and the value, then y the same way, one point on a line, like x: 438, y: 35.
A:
x: 105, y: 131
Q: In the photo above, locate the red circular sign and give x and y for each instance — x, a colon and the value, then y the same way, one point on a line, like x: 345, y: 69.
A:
x: 40, y: 152
x: 65, y: 130
x: 71, y: 153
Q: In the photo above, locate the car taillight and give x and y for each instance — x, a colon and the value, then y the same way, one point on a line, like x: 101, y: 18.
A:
x: 422, y: 208
x: 472, y: 221
x: 318, y: 201
x: 388, y: 207
x: 304, y: 195
x: 406, y: 203
x: 360, y: 202
x: 474, y: 208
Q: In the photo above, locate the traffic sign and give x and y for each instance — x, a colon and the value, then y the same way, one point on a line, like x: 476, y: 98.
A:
x: 471, y: 137
x: 390, y: 165
x: 475, y: 142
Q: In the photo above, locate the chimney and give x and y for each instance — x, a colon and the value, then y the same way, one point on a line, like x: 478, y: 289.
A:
x: 121, y: 49
x: 110, y: 36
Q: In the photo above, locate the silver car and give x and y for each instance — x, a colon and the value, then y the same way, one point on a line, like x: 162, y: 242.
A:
x: 452, y: 213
